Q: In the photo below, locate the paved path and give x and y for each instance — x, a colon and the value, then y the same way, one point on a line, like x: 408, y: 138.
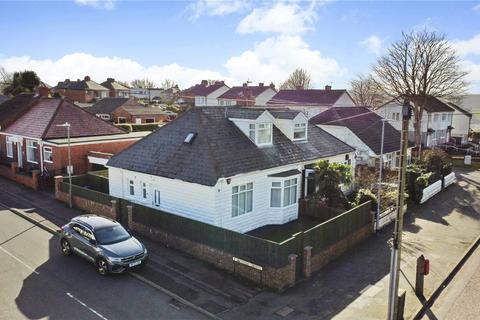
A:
x: 460, y: 300
x: 37, y: 281
x: 355, y: 286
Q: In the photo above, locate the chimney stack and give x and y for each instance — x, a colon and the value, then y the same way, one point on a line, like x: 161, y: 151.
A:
x: 110, y: 80
x: 244, y: 85
x: 299, y: 87
x: 328, y: 88
x: 204, y: 83
x: 87, y: 78
x: 260, y: 84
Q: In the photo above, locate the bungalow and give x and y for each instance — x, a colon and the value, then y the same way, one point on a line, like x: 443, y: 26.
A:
x: 81, y: 91
x: 204, y: 94
x: 116, y: 89
x: 237, y: 168
x: 247, y: 95
x: 311, y: 101
x: 127, y: 110
x: 361, y: 128
x: 436, y: 123
x: 32, y: 138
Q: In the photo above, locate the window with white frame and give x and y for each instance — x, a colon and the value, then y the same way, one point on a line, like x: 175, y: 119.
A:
x: 283, y: 194
x: 48, y: 154
x: 242, y: 199
x: 131, y: 187
x: 105, y: 116
x: 144, y: 191
x: 156, y: 198
x: 435, y: 117
x: 300, y: 131
x: 260, y: 133
x: 444, y: 116
x: 388, y: 160
x: 32, y: 147
x: 9, y: 142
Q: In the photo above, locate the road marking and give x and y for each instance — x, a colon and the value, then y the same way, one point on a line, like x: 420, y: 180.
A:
x: 26, y: 265
x: 85, y: 305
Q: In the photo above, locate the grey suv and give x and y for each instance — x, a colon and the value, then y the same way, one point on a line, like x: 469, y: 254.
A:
x: 104, y: 242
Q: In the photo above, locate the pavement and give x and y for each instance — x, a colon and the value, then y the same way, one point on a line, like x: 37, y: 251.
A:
x: 37, y: 282
x: 352, y: 287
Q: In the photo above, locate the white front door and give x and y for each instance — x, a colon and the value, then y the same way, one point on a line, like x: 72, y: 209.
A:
x: 138, y: 120
x: 156, y: 197
x: 19, y: 155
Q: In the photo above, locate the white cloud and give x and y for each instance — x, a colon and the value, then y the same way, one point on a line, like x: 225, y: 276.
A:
x: 477, y: 8
x: 77, y: 65
x: 217, y: 7
x: 373, y: 44
x: 466, y: 47
x: 285, y: 18
x: 105, y: 4
x: 473, y: 76
x: 275, y: 58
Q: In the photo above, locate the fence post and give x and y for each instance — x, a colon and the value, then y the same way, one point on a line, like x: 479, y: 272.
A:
x: 35, y: 174
x: 130, y: 216
x: 292, y: 259
x: 14, y: 167
x: 420, y: 276
x: 57, y: 180
x: 307, y: 262
x: 115, y: 211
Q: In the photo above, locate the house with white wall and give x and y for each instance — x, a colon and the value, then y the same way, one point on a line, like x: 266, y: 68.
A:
x: 247, y: 95
x: 204, y: 94
x: 361, y: 128
x: 436, y: 122
x: 471, y: 104
x: 311, y: 101
x: 461, y: 123
x: 236, y: 168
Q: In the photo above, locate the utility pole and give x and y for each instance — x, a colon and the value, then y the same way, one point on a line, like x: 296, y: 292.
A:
x: 380, y: 177
x: 69, y: 168
x: 397, y: 234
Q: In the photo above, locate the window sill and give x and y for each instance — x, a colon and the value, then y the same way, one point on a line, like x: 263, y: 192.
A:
x: 34, y: 162
x: 46, y: 161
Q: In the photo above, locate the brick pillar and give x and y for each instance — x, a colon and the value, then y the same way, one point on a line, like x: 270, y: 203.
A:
x: 130, y: 216
x: 57, y: 180
x: 115, y: 211
x: 14, y: 167
x: 293, y: 270
x: 307, y: 262
x: 35, y: 174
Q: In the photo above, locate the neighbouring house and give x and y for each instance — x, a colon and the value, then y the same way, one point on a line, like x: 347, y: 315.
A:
x: 246, y: 95
x: 32, y: 138
x: 461, y: 122
x: 146, y: 93
x: 128, y: 110
x: 311, y: 101
x: 83, y: 91
x: 236, y: 168
x: 361, y: 128
x: 436, y: 122
x: 116, y: 89
x: 471, y: 104
x: 204, y: 94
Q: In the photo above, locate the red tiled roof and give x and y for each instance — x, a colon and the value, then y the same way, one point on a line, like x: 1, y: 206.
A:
x: 240, y: 92
x: 307, y: 97
x: 14, y: 108
x: 42, y: 119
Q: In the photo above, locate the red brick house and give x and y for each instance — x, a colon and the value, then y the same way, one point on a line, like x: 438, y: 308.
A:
x: 82, y: 91
x: 116, y: 89
x: 128, y: 110
x: 31, y: 139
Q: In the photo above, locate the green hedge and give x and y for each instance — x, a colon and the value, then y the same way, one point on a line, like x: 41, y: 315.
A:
x: 144, y: 127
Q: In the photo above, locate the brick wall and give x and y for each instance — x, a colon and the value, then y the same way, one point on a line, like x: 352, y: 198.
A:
x: 129, y: 118
x: 13, y: 174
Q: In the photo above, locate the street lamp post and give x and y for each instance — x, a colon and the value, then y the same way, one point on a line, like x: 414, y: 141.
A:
x: 380, y: 177
x: 397, y: 233
x: 69, y: 168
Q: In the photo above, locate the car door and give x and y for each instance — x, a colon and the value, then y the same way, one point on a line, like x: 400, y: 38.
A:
x: 81, y: 244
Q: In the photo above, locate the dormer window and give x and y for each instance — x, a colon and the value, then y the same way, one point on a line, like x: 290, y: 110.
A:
x: 260, y: 133
x: 300, y: 131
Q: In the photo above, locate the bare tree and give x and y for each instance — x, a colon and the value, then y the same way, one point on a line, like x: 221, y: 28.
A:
x: 299, y: 79
x: 142, y: 83
x: 6, y: 79
x: 168, y: 84
x: 419, y: 65
x: 366, y: 92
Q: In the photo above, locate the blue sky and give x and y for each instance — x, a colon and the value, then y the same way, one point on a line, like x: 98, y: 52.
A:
x: 187, y: 41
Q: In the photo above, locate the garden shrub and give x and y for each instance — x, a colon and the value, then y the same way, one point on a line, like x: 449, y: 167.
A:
x: 144, y: 127
x: 125, y: 126
x: 364, y: 195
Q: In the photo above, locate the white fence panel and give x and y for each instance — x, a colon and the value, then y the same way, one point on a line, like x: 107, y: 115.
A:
x: 388, y: 216
x: 431, y: 190
x: 450, y: 179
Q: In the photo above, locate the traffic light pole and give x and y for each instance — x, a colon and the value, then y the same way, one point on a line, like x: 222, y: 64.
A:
x: 397, y: 234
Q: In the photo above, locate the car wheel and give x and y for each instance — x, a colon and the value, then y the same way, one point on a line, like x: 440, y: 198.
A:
x: 66, y: 249
x: 102, y: 267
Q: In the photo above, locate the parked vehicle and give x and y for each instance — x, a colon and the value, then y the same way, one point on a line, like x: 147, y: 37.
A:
x: 104, y: 242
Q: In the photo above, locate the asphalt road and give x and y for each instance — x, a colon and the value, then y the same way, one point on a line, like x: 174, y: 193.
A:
x: 38, y: 282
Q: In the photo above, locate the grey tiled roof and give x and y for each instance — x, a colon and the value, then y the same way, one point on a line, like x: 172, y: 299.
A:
x: 107, y: 105
x: 219, y: 149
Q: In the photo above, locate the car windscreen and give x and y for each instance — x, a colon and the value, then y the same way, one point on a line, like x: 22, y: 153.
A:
x: 113, y: 234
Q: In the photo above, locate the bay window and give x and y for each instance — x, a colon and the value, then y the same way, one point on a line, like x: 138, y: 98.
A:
x: 300, y: 131
x: 242, y: 199
x: 32, y: 147
x: 283, y: 194
x: 9, y: 142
